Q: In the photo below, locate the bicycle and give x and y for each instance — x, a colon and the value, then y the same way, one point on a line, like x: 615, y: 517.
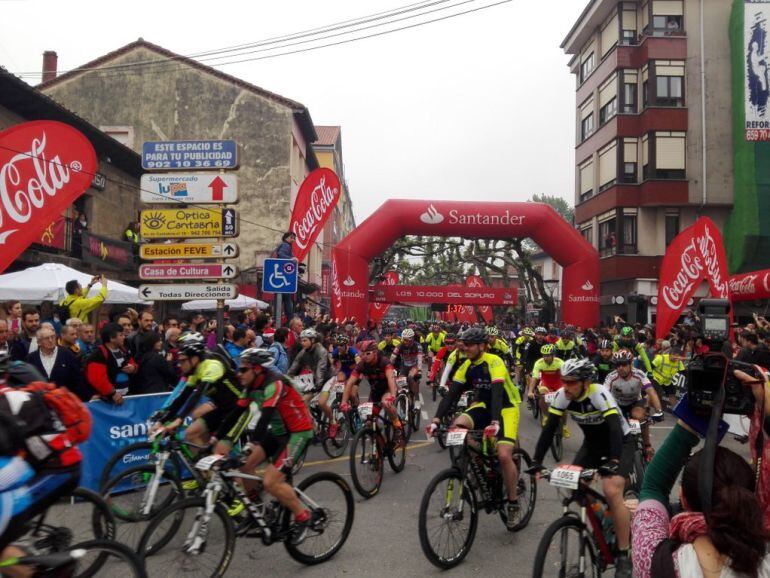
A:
x: 334, y: 447
x: 201, y: 525
x: 454, y: 497
x: 594, y: 539
x: 464, y: 402
x: 406, y: 407
x: 636, y: 475
x: 371, y: 445
x: 557, y: 443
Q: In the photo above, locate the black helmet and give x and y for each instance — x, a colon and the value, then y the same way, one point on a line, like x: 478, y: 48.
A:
x: 192, y: 343
x: 256, y: 356
x: 605, y: 344
x: 342, y: 339
x: 474, y: 335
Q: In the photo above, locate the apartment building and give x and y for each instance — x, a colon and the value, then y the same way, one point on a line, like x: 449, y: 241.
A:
x: 653, y: 140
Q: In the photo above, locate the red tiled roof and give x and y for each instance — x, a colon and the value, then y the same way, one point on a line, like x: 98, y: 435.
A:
x: 327, y: 135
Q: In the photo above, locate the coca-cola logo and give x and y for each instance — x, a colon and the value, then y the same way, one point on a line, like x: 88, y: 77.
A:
x: 336, y: 289
x: 744, y: 285
x: 44, y: 167
x: 317, y: 197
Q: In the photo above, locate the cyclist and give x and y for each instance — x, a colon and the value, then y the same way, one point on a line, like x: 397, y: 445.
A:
x: 284, y: 412
x: 603, y: 360
x: 450, y: 343
x: 626, y: 340
x: 453, y: 362
x: 389, y: 343
x: 495, y: 407
x: 532, y: 354
x: 381, y: 375
x: 407, y: 358
x: 546, y: 375
x: 499, y: 346
x: 312, y: 361
x: 204, y: 376
x: 521, y: 346
x: 627, y: 384
x: 666, y: 365
x: 606, y: 445
x: 568, y: 346
x: 345, y: 358
x: 434, y: 341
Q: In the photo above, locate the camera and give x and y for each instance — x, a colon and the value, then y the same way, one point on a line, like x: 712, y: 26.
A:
x: 708, y: 372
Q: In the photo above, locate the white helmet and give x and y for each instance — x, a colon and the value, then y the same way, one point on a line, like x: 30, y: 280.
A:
x: 309, y: 333
x: 407, y: 334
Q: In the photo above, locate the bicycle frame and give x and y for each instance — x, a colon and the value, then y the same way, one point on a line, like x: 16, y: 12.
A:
x: 584, y: 496
x: 181, y: 450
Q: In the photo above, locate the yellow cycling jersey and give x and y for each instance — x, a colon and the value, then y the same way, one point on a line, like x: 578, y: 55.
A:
x: 435, y: 342
x: 456, y: 357
x: 483, y: 373
x: 501, y: 346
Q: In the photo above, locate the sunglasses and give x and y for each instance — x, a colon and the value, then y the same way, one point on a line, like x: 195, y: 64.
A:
x: 244, y: 369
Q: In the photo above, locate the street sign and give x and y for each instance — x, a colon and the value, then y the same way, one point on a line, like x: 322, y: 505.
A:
x: 280, y: 276
x: 189, y: 188
x: 190, y: 154
x: 188, y: 223
x: 187, y: 271
x: 187, y: 292
x: 161, y: 251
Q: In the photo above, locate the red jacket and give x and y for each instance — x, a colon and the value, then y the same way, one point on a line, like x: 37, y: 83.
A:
x: 102, y: 370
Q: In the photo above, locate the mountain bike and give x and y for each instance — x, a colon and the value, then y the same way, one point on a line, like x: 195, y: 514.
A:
x: 636, y: 475
x: 336, y: 446
x: 465, y: 399
x: 374, y: 442
x: 557, y: 442
x: 450, y: 506
x: 406, y: 407
x: 197, y: 534
x: 580, y: 543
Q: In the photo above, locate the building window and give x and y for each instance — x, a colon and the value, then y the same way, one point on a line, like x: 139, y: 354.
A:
x: 628, y: 38
x: 629, y: 93
x: 587, y: 67
x: 608, y: 166
x: 608, y: 111
x: 667, y: 25
x: 607, y: 240
x: 629, y: 234
x: 587, y: 127
x: 629, y: 172
x: 123, y: 134
x: 670, y: 155
x: 588, y: 234
x: 586, y: 174
x: 672, y: 227
x: 669, y: 91
x: 645, y: 157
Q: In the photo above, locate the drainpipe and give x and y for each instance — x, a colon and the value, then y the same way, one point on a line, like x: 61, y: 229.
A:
x: 703, y: 108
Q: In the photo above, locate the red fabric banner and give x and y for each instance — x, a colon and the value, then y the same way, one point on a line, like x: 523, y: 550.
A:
x: 54, y: 235
x: 44, y: 167
x: 378, y: 310
x: 484, y: 310
x: 750, y: 286
x: 696, y: 254
x: 315, y: 203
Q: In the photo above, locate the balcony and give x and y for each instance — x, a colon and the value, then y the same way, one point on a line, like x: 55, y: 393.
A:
x: 653, y: 192
x: 616, y: 267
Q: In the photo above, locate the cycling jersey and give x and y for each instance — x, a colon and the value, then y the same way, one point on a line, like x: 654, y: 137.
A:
x: 483, y: 374
x: 346, y: 361
x: 500, y: 347
x: 549, y: 374
x: 636, y: 348
x: 665, y: 368
x: 453, y: 363
x: 376, y: 374
x: 442, y: 355
x: 567, y: 348
x: 627, y: 390
x: 388, y: 348
x: 434, y: 342
x: 407, y: 355
x: 209, y: 379
x: 603, y: 367
x: 521, y: 345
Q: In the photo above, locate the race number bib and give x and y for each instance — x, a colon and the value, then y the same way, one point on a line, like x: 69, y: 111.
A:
x: 401, y: 382
x: 635, y: 426
x: 365, y: 409
x: 566, y: 476
x: 305, y: 382
x: 463, y: 401
x: 549, y: 397
x: 456, y: 436
x: 208, y: 462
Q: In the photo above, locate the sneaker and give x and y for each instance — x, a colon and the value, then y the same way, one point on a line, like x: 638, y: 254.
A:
x: 190, y: 485
x: 299, y: 530
x: 565, y: 432
x: 236, y: 507
x: 513, y: 515
x: 623, y: 567
x: 333, y: 430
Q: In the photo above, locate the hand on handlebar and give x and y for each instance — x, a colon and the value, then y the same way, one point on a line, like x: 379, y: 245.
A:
x: 430, y: 430
x: 345, y: 407
x: 491, y: 431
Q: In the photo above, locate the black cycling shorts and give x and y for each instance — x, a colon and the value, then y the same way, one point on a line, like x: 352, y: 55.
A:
x: 626, y: 409
x: 593, y: 456
x: 376, y: 393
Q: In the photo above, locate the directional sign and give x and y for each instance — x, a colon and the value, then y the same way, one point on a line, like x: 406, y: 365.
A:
x: 188, y: 223
x: 280, y: 276
x: 189, y: 188
x: 188, y: 271
x: 187, y: 292
x: 190, y: 154
x: 161, y: 251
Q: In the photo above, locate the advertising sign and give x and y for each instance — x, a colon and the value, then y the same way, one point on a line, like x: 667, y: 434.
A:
x: 106, y: 252
x: 188, y: 271
x: 190, y: 154
x: 315, y: 203
x: 484, y: 310
x: 439, y: 294
x: 187, y: 292
x: 160, y: 251
x: 193, y: 188
x: 188, y: 223
x: 378, y: 310
x: 750, y: 286
x: 756, y: 26
x: 44, y: 167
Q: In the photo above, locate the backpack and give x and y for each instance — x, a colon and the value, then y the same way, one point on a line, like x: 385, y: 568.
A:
x: 221, y: 355
x: 72, y: 412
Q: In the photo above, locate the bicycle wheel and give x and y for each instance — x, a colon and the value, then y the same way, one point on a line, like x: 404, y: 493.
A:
x: 403, y: 411
x: 137, y: 453
x: 416, y: 416
x: 83, y: 505
x: 534, y: 407
x: 557, y: 446
x: 335, y: 447
x: 636, y: 475
x: 366, y: 463
x: 526, y: 491
x: 330, y: 499
x: 564, y: 549
x: 129, y: 505
x: 213, y: 545
x: 396, y: 455
x: 448, y: 519
x: 116, y: 560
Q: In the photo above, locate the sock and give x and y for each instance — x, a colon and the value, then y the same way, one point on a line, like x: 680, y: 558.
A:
x: 397, y: 423
x: 303, y: 516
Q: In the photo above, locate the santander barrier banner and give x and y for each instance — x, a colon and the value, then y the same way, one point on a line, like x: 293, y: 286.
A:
x: 315, y: 202
x: 479, y: 220
x: 695, y: 255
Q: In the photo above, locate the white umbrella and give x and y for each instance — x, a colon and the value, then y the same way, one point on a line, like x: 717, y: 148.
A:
x: 46, y: 283
x: 238, y: 304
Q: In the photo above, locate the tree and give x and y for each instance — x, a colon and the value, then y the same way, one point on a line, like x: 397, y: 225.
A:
x: 562, y: 207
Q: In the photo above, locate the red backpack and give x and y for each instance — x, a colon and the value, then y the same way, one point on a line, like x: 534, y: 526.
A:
x: 68, y: 407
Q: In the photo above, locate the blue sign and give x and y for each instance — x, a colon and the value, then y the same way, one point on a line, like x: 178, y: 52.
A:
x: 190, y: 154
x: 280, y: 276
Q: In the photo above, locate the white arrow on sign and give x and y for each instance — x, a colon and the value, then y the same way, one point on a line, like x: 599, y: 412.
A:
x: 187, y: 271
x: 187, y: 292
x: 177, y: 251
x: 189, y: 188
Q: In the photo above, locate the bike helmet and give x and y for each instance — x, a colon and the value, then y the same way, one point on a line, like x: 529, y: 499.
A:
x: 342, y: 339
x: 542, y: 330
x: 528, y: 332
x: 309, y: 333
x: 605, y: 344
x: 622, y: 357
x: 627, y: 331
x: 450, y: 339
x: 492, y: 331
x: 192, y: 343
x: 578, y: 369
x: 407, y: 334
x: 365, y: 346
x: 256, y: 356
x: 474, y: 335
x: 547, y: 349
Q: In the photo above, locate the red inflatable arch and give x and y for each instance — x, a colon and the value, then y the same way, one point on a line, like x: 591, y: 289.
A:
x: 399, y: 217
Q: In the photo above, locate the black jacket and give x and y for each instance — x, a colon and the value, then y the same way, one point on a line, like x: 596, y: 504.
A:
x: 20, y: 347
x: 155, y: 375
x: 67, y: 370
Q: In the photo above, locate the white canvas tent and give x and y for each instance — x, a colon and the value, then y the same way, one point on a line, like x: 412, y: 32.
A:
x: 46, y: 283
x: 238, y: 304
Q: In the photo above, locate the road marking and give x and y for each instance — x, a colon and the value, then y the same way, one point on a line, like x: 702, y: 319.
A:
x: 661, y: 427
x: 414, y: 446
x: 424, y: 415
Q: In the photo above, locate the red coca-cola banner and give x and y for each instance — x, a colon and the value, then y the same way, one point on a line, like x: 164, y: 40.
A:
x: 695, y: 255
x: 484, y: 310
x: 750, y: 286
x: 315, y: 202
x: 378, y: 310
x: 44, y: 167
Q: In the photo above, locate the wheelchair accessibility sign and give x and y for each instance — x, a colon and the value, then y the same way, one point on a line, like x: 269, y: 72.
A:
x: 280, y: 276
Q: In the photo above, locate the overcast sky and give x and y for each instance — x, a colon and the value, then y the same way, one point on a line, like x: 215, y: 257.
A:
x: 478, y: 107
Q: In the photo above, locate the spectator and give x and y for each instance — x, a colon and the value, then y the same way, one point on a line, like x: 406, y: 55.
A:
x: 753, y: 353
x: 13, y: 312
x: 110, y: 366
x: 68, y: 339
x: 75, y: 322
x: 197, y: 322
x: 146, y: 319
x: 210, y: 332
x: 292, y: 341
x: 131, y: 235
x: 4, y: 335
x: 155, y: 373
x: 125, y: 325
x: 86, y: 340
x: 285, y: 251
x: 279, y: 349
x: 79, y: 224
x: 58, y: 364
x: 26, y: 342
x: 169, y: 323
x: 51, y: 315
x: 238, y: 343
x: 171, y: 346
x: 77, y: 302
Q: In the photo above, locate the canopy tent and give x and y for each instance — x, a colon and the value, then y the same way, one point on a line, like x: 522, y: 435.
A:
x: 46, y: 283
x: 238, y: 304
